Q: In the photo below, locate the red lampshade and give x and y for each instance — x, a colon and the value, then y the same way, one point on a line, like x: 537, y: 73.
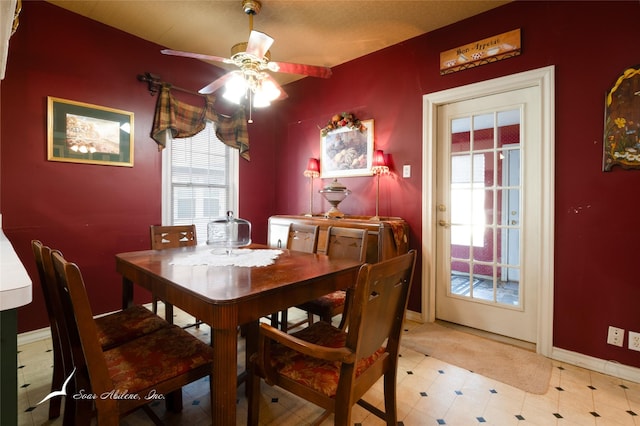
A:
x: 313, y: 165
x: 378, y: 159
x: 313, y: 168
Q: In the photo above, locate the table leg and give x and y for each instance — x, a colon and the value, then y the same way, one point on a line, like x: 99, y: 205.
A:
x: 223, y: 376
x: 251, y: 347
x: 127, y: 293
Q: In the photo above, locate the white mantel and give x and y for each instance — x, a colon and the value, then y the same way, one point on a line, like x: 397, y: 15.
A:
x: 15, y: 284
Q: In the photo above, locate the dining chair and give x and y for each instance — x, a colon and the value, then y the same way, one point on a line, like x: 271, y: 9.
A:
x: 112, y: 329
x: 334, y: 368
x: 129, y: 376
x: 301, y: 237
x: 172, y: 236
x: 341, y: 243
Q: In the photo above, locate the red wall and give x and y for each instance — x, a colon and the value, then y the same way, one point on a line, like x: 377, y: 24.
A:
x: 92, y: 212
x: 590, y: 44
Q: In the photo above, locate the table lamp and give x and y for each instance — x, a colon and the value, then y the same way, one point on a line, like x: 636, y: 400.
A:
x: 312, y: 171
x: 378, y: 167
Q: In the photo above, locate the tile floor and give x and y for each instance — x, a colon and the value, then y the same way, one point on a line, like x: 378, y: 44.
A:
x: 431, y: 392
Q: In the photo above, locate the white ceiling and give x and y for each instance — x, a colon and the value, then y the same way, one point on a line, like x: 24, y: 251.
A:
x: 314, y: 32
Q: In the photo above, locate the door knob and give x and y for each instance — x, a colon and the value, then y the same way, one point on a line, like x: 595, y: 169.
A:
x: 444, y: 223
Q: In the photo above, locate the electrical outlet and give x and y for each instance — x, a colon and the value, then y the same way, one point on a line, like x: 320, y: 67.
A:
x: 634, y: 341
x: 615, y: 336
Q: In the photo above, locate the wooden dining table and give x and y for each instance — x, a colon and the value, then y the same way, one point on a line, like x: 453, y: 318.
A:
x: 226, y: 297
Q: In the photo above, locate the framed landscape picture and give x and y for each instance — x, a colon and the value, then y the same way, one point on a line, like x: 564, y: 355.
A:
x: 78, y: 132
x: 347, y: 151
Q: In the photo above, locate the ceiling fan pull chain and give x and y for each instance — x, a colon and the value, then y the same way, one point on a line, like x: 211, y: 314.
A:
x: 250, y: 120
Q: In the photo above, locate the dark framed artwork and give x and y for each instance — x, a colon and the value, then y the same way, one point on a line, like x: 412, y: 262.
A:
x: 78, y: 132
x: 347, y: 151
x: 622, y: 122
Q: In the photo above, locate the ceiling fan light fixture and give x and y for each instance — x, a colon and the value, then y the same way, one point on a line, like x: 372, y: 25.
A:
x: 260, y: 101
x: 269, y: 90
x: 265, y: 92
x: 235, y: 88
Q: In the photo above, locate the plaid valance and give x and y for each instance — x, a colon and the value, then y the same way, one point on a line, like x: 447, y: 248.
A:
x: 177, y: 119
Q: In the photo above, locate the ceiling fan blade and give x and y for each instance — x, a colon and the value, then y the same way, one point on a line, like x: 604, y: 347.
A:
x: 216, y: 84
x: 259, y: 43
x: 310, y: 70
x: 193, y: 55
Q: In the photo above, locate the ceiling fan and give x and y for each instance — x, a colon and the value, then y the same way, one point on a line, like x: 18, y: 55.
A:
x: 253, y: 60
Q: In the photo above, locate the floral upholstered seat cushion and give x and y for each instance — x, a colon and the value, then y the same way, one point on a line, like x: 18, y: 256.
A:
x: 315, y: 373
x: 128, y: 324
x: 154, y: 358
x: 328, y: 301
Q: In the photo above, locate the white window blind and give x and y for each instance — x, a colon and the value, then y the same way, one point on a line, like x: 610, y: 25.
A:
x: 200, y: 181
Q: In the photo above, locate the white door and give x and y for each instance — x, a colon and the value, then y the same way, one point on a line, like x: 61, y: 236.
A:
x: 487, y: 186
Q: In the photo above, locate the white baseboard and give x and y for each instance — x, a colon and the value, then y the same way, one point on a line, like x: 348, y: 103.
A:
x: 414, y: 316
x: 611, y: 368
x: 34, y: 336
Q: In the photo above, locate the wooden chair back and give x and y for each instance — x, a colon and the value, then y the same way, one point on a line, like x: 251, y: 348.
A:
x: 91, y: 373
x: 336, y: 376
x: 343, y: 243
x: 123, y: 369
x: 171, y: 236
x: 303, y: 237
x: 163, y: 237
x: 346, y: 243
x: 375, y: 319
x: 379, y: 305
x: 46, y: 274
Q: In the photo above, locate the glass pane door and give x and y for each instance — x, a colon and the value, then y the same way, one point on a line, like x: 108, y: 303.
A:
x: 485, y: 208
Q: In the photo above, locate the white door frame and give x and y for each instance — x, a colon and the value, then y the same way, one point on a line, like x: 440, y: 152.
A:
x: 543, y: 79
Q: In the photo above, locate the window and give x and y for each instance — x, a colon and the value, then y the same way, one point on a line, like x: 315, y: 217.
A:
x: 199, y: 180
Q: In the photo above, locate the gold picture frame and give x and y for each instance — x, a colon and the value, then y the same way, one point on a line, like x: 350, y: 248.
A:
x: 346, y: 151
x: 79, y: 132
x: 621, y: 145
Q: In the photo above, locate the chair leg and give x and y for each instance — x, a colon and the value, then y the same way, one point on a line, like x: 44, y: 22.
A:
x: 83, y: 413
x: 174, y: 401
x: 168, y: 312
x: 390, y: 408
x: 69, y: 416
x: 154, y: 305
x: 342, y: 414
x: 274, y: 320
x: 284, y: 320
x: 253, y: 397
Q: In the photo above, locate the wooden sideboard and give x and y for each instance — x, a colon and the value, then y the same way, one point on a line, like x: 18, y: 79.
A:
x: 388, y: 237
